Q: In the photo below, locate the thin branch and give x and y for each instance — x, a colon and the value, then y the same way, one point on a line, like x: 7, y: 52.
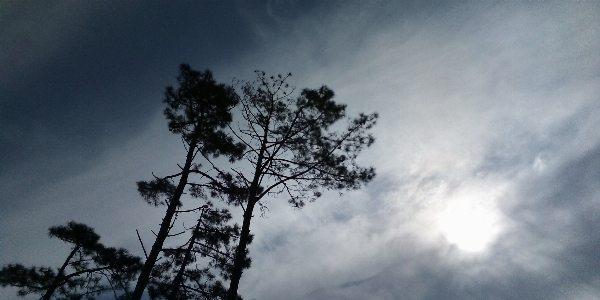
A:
x: 312, y: 166
x: 176, y: 234
x: 140, y: 239
x: 167, y: 177
x: 194, y: 209
x: 239, y: 138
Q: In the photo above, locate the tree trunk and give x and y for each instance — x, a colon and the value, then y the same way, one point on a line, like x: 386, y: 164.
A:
x: 240, y: 253
x: 188, y: 254
x: 144, y: 277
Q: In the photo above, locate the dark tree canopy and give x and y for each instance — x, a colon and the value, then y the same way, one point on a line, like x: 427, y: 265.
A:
x: 91, y: 269
x: 199, y: 109
x: 290, y: 143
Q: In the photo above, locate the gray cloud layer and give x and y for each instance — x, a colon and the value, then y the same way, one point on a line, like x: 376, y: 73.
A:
x: 487, y: 149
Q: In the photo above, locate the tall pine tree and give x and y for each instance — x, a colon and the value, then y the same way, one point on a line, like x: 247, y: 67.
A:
x: 291, y: 151
x: 199, y: 111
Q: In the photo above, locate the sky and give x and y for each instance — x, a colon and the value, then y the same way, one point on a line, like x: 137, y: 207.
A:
x: 487, y: 147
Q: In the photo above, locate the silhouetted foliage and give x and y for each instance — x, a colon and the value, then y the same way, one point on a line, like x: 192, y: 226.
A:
x: 292, y: 151
x: 179, y: 276
x: 286, y: 146
x: 199, y: 111
x: 89, y: 270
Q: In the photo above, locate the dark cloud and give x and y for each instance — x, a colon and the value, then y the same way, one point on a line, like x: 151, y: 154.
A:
x: 563, y: 209
x: 98, y: 80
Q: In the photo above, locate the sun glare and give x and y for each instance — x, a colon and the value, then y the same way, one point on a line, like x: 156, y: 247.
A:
x: 470, y: 221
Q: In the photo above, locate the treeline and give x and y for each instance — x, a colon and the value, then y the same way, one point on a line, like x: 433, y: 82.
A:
x: 283, y: 148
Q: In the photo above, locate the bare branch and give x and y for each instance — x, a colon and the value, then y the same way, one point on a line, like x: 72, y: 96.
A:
x: 141, y: 243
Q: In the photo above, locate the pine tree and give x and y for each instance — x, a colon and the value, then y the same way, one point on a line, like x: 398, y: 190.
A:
x: 291, y: 151
x: 199, y: 111
x: 89, y: 270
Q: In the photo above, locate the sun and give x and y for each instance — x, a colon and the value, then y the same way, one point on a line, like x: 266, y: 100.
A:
x: 470, y: 220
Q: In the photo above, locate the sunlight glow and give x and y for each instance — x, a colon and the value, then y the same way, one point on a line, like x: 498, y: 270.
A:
x: 470, y: 221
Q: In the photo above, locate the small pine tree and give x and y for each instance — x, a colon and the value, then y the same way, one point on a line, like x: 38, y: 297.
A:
x: 89, y: 270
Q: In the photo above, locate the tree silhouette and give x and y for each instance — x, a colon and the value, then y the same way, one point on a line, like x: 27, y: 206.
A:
x: 290, y: 150
x: 82, y: 273
x: 199, y: 111
x: 285, y: 146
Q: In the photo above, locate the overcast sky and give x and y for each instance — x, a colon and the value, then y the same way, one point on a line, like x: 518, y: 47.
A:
x: 487, y: 148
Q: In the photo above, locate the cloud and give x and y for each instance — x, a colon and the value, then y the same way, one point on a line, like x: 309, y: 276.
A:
x: 548, y: 248
x: 33, y: 32
x: 474, y: 103
x: 487, y: 109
